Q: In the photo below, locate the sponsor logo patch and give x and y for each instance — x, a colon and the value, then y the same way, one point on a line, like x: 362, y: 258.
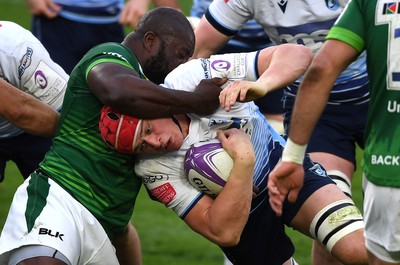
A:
x: 152, y: 179
x: 25, y: 62
x: 45, y: 231
x: 164, y: 193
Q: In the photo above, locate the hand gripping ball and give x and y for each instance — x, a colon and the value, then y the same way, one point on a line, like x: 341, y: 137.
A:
x: 207, y: 166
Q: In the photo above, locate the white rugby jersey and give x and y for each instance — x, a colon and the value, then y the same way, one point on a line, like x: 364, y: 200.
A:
x: 163, y: 175
x: 304, y: 22
x: 26, y: 64
x: 250, y: 34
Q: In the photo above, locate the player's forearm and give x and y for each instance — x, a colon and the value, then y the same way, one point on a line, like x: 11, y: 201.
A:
x: 229, y: 214
x: 288, y: 62
x: 121, y: 88
x: 26, y: 112
x: 230, y: 210
x: 35, y: 117
x: 310, y: 102
x: 165, y: 103
x: 315, y: 88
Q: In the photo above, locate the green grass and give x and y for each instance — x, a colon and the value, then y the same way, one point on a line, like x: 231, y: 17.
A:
x: 165, y: 238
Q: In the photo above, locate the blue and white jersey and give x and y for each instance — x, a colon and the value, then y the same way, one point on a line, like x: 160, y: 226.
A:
x: 163, y: 175
x: 304, y: 22
x: 251, y: 37
x: 91, y: 11
x: 26, y: 64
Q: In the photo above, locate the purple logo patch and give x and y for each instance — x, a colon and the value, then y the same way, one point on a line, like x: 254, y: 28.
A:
x: 220, y: 65
x: 40, y: 79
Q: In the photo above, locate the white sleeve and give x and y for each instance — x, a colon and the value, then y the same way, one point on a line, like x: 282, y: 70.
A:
x: 186, y: 76
x: 234, y: 66
x: 231, y: 15
x: 27, y: 65
x: 43, y: 78
x: 165, y: 181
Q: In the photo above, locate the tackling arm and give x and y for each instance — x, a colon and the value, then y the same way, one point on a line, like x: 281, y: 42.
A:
x: 120, y: 87
x: 222, y: 220
x: 27, y: 112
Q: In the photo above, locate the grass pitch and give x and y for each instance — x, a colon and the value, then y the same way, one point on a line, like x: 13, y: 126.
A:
x: 165, y: 238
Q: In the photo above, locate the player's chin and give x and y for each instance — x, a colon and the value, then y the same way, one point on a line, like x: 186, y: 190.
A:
x: 174, y: 144
x: 173, y: 148
x: 168, y: 149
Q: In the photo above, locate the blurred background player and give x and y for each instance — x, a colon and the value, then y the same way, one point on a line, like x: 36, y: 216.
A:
x: 69, y: 28
x: 341, y: 127
x: 372, y: 26
x: 27, y: 66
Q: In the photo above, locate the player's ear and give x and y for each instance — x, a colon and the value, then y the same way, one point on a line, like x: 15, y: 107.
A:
x: 151, y: 42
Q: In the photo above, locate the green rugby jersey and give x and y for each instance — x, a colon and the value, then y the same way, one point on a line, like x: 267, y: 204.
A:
x: 101, y: 179
x: 374, y: 25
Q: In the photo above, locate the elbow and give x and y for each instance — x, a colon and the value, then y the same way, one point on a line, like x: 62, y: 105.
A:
x: 227, y: 239
x: 306, y: 55
x: 109, y: 97
x: 113, y: 98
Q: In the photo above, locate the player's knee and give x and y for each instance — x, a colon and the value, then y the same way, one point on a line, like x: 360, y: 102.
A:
x: 337, y: 221
x: 342, y: 181
x: 351, y: 249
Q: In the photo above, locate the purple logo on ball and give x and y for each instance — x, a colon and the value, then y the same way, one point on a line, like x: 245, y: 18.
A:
x: 200, y: 159
x: 41, y: 79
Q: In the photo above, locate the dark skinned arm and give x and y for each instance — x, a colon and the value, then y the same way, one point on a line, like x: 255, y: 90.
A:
x: 121, y: 88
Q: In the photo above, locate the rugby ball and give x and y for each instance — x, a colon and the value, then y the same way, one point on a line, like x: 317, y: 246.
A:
x: 208, y: 166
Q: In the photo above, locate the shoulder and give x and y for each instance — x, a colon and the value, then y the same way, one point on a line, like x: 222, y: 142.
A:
x: 188, y: 75
x: 112, y: 52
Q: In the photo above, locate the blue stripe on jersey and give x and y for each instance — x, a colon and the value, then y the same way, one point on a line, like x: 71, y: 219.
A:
x: 217, y: 25
x: 351, y: 87
x: 192, y: 204
x: 8, y: 130
x: 96, y: 12
x: 306, y: 29
x: 267, y: 155
x: 305, y: 34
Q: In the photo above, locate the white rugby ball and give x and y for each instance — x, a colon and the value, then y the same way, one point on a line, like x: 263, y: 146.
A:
x: 208, y: 166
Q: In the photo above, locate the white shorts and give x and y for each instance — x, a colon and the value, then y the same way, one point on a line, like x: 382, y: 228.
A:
x: 62, y: 224
x: 381, y: 217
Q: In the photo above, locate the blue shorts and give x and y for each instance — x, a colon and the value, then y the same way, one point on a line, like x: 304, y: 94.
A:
x: 271, y: 103
x: 68, y: 41
x: 25, y: 150
x: 338, y: 130
x: 264, y: 240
